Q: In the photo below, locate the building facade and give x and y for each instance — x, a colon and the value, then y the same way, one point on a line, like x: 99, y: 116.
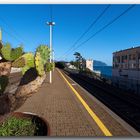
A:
x: 89, y: 64
x: 126, y: 68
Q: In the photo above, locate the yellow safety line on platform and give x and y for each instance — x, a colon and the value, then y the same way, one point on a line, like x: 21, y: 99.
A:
x: 92, y: 114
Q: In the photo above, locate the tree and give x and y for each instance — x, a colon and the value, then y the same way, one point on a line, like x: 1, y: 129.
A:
x: 79, y: 60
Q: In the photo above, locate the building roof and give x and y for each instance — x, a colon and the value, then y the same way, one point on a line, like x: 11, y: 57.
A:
x: 138, y: 47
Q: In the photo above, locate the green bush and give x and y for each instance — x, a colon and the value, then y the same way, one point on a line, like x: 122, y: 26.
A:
x: 39, y: 64
x: 60, y: 65
x: 49, y: 67
x: 16, y: 53
x: 17, y: 127
x: 6, y: 51
x: 44, y: 53
x: 25, y: 62
x: 11, y: 54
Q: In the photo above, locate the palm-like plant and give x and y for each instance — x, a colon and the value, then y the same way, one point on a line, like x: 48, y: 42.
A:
x: 78, y: 59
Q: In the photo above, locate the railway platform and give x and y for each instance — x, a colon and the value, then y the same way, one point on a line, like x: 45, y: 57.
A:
x: 72, y: 111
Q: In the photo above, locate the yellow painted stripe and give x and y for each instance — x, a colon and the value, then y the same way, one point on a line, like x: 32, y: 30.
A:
x: 92, y: 114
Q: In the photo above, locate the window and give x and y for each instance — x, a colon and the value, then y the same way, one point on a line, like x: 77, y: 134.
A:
x: 122, y: 59
x: 126, y: 57
x: 113, y: 58
x: 134, y: 65
x: 129, y: 56
x: 134, y: 56
x: 139, y: 56
x: 118, y: 59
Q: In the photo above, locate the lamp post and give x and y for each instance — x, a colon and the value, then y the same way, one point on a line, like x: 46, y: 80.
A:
x: 0, y: 42
x: 51, y: 24
x: 0, y: 35
x: 53, y: 57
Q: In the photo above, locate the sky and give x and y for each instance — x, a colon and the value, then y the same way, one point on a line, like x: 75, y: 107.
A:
x: 26, y: 25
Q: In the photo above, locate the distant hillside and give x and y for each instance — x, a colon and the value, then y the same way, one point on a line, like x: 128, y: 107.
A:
x: 99, y: 63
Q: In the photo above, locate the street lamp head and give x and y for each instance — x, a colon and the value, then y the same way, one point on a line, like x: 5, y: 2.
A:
x: 50, y: 23
x: 53, y: 23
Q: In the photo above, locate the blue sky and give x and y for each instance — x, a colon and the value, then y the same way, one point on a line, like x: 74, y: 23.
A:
x: 26, y: 24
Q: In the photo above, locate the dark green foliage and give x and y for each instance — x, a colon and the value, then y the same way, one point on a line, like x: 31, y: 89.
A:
x: 17, y: 127
x: 6, y: 51
x: 75, y: 63
x: 3, y: 83
x: 25, y: 62
x: 60, y: 65
x: 10, y: 54
x: 0, y: 47
x: 20, y: 62
x: 16, y: 53
x: 39, y: 64
x: 79, y: 60
x: 49, y: 67
x: 53, y: 65
x: 44, y: 53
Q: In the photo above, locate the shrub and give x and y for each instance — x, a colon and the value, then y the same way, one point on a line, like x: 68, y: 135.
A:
x: 25, y: 62
x: 49, y: 66
x: 60, y: 65
x: 39, y: 64
x: 17, y: 127
x: 44, y: 53
x: 11, y: 54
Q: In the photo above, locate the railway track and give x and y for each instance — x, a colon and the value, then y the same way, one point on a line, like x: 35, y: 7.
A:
x: 127, y: 107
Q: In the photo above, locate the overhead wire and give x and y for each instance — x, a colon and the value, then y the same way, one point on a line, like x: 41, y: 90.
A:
x: 51, y: 13
x: 16, y: 35
x: 104, y: 27
x: 89, y: 27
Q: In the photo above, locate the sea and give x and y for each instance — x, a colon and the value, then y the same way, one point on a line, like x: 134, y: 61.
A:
x: 105, y: 70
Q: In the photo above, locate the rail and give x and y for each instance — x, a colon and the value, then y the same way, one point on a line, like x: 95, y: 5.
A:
x: 125, y: 106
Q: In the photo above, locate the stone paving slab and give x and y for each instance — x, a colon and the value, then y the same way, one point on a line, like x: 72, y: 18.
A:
x: 61, y: 108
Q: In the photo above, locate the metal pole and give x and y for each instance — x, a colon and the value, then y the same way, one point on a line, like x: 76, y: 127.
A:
x: 53, y: 58
x: 0, y: 35
x: 51, y: 26
x: 50, y: 51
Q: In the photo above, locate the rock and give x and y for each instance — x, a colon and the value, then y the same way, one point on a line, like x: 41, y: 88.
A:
x: 29, y: 76
x: 14, y: 81
x: 19, y: 102
x: 15, y: 70
x: 5, y: 104
x: 12, y: 98
x: 24, y: 90
x: 5, y: 68
x: 3, y: 83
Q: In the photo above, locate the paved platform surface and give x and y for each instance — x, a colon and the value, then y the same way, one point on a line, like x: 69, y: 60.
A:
x: 66, y: 115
